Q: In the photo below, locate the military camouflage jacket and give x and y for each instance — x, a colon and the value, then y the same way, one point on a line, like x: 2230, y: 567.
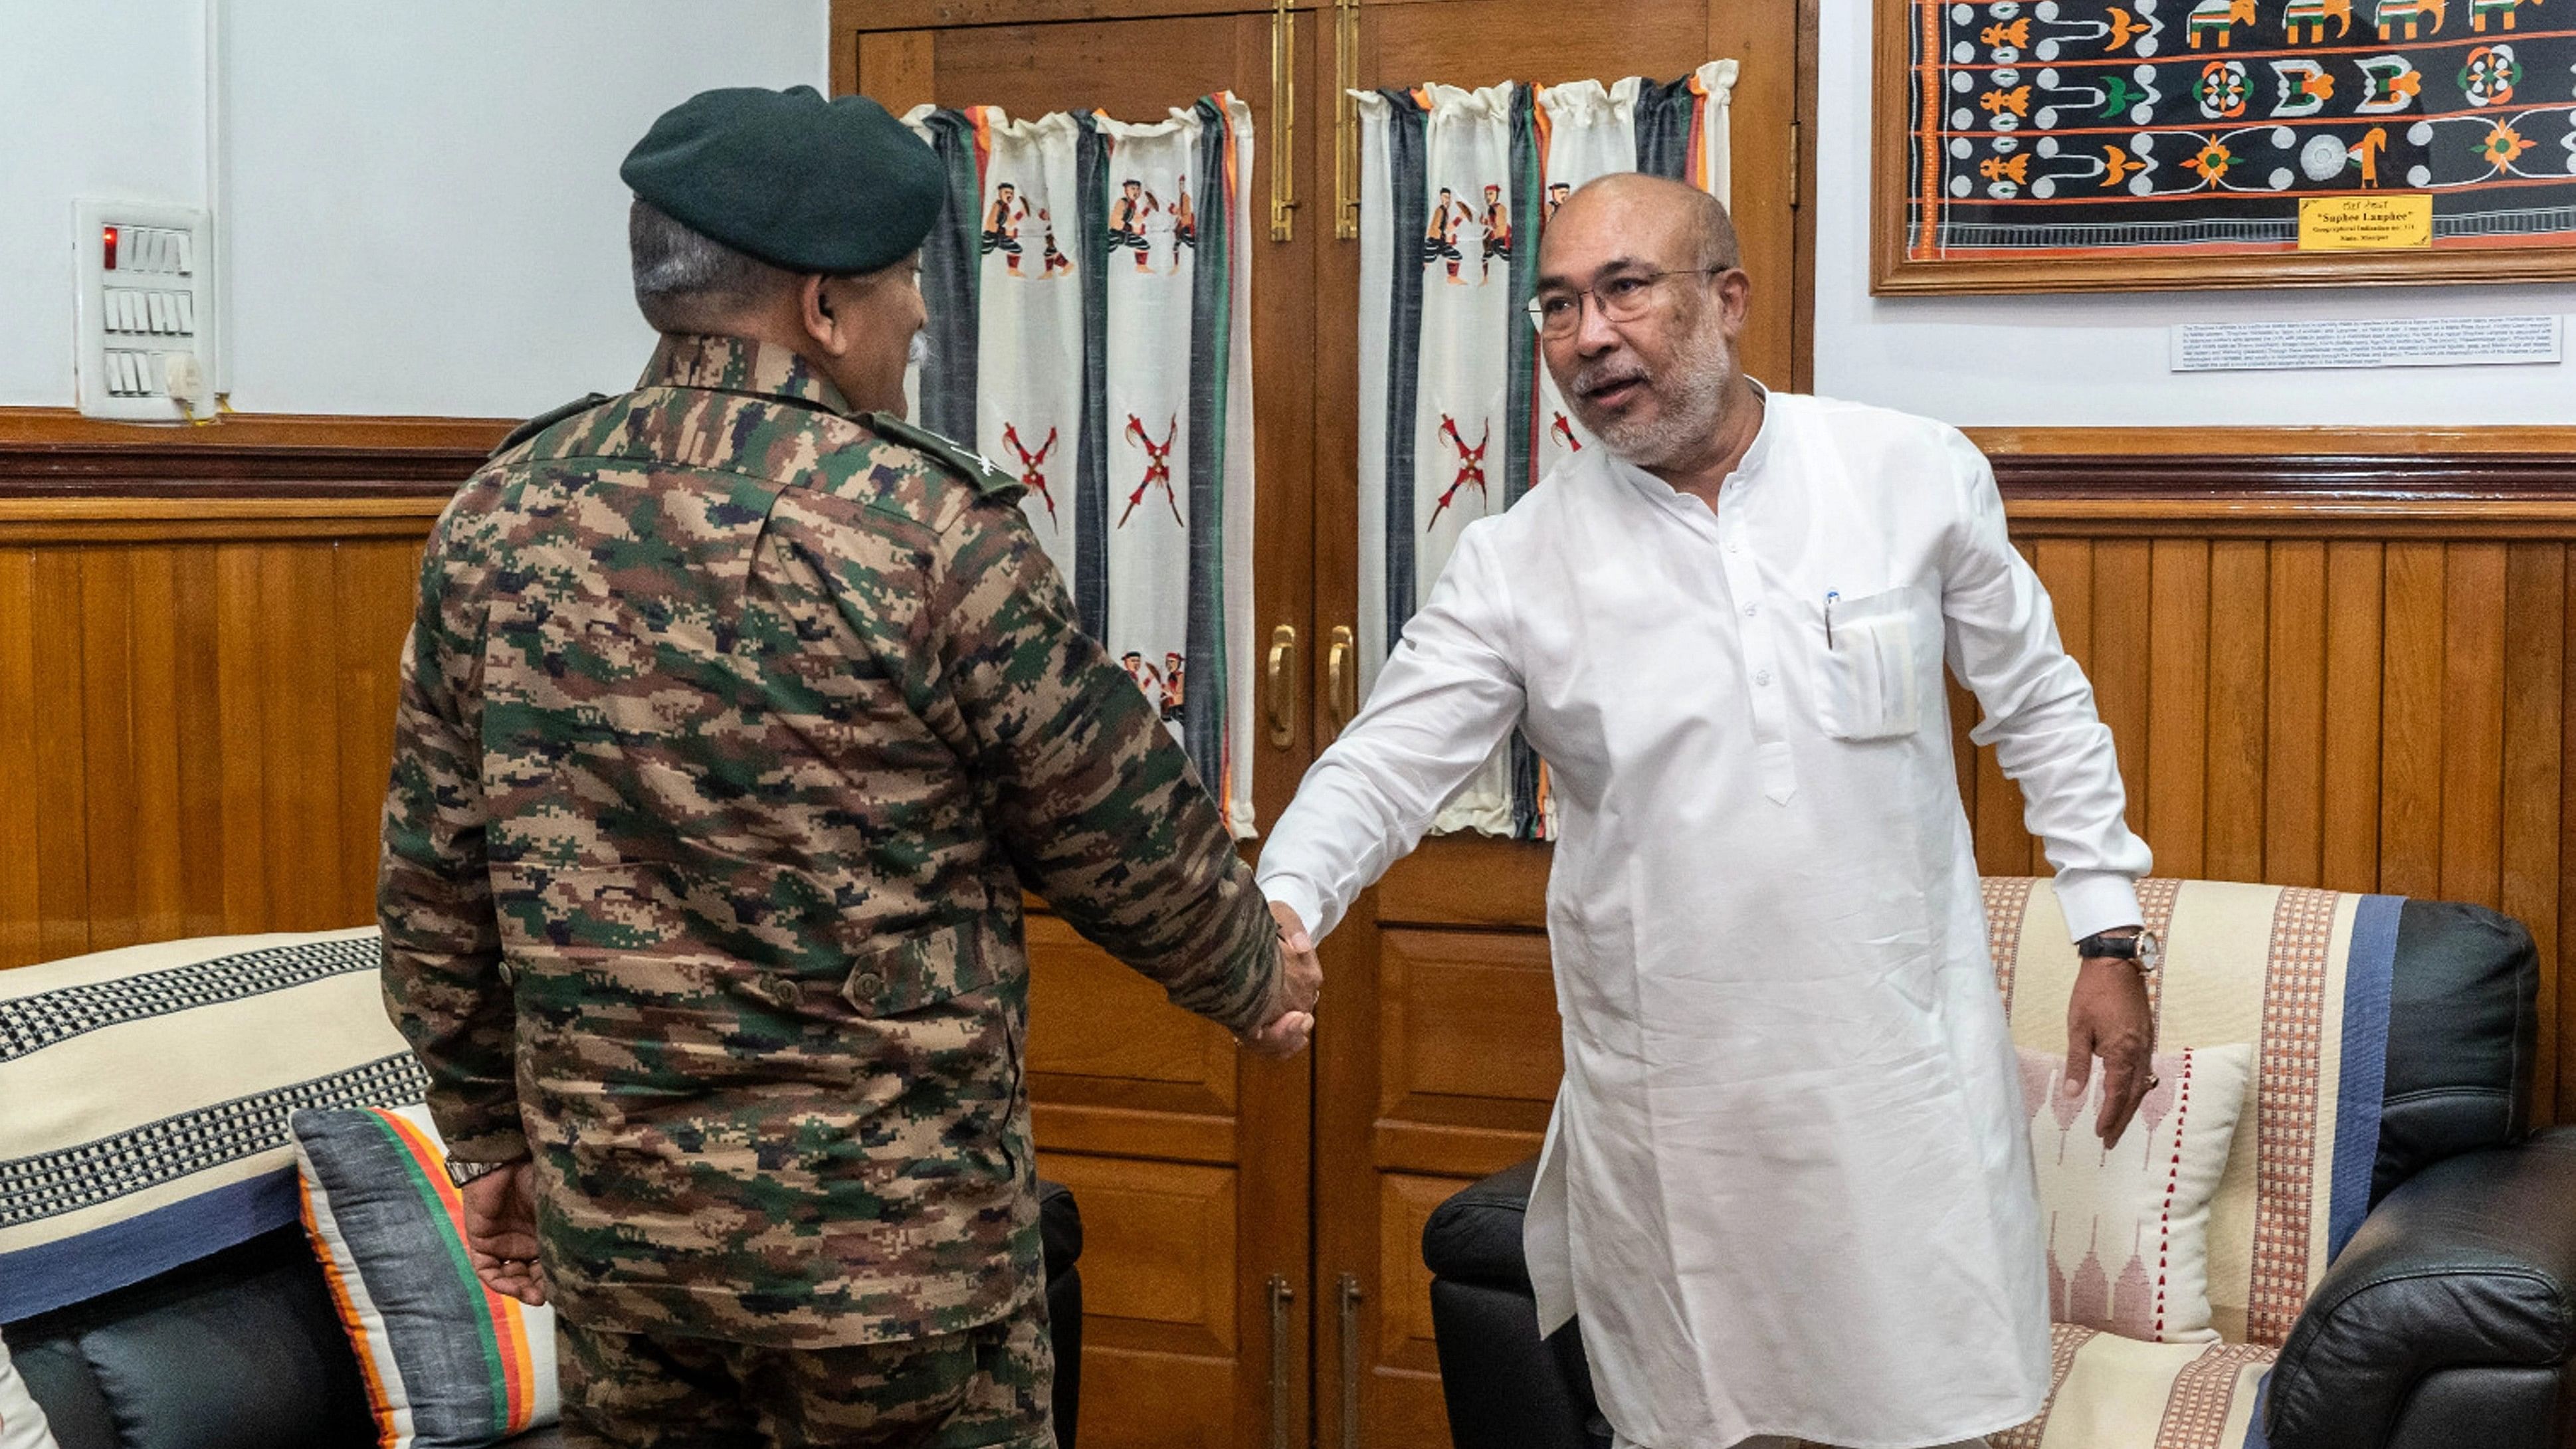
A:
x: 730, y: 730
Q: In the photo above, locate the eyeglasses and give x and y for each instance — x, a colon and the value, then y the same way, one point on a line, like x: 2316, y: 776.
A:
x: 1622, y: 299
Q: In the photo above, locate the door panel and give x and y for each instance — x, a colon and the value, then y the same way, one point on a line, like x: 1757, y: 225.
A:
x: 1468, y: 1026
x: 1437, y: 1057
x: 1189, y: 1159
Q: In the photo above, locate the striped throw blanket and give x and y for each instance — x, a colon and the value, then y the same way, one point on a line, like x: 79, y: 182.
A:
x: 147, y: 1093
x: 2304, y: 975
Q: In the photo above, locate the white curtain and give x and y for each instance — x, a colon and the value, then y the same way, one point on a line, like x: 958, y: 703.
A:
x: 1090, y: 321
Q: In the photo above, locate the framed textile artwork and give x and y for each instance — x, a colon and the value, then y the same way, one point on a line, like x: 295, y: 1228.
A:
x: 2074, y: 145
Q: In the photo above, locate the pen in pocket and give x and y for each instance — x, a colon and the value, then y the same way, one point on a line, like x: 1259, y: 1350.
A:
x: 1830, y: 596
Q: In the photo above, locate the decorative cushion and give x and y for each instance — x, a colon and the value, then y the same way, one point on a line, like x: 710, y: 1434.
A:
x: 2302, y: 974
x: 449, y: 1364
x: 2128, y: 1226
x: 22, y: 1424
x: 148, y: 1091
x: 2108, y: 1390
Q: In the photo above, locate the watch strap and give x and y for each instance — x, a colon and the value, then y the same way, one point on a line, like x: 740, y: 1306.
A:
x: 461, y: 1173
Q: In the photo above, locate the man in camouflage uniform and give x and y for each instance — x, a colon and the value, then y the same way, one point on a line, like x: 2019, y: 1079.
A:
x: 734, y: 719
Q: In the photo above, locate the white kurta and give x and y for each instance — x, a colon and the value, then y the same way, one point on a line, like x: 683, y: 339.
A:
x: 1787, y: 1182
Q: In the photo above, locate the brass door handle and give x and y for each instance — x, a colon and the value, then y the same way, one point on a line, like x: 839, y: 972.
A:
x: 1342, y: 676
x: 1283, y: 685
x: 1346, y: 119
x: 1281, y: 1295
x: 1351, y: 1295
x: 1283, y: 122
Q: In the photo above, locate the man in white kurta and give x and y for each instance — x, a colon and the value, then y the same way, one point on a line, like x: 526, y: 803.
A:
x: 1787, y: 1183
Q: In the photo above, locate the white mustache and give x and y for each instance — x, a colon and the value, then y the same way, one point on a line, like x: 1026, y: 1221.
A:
x: 917, y: 351
x: 1602, y: 374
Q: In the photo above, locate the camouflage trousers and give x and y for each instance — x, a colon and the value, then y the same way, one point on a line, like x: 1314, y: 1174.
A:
x: 986, y: 1386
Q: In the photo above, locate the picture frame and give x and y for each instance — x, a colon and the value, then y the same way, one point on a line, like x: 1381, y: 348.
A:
x: 2134, y: 145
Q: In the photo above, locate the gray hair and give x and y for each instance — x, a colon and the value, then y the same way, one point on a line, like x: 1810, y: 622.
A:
x: 1718, y: 248
x: 687, y: 281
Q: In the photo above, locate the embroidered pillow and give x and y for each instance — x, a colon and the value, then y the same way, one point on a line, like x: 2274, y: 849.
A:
x: 22, y: 1424
x: 448, y: 1363
x: 2128, y: 1227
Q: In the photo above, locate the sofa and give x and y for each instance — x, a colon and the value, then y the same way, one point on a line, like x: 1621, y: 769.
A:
x: 243, y: 1350
x: 2445, y: 1317
x: 222, y: 1331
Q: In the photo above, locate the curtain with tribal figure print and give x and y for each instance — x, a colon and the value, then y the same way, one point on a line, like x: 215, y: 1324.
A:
x: 1458, y: 417
x: 1089, y: 297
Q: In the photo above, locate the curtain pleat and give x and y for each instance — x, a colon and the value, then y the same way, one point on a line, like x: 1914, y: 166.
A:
x: 948, y: 282
x: 1091, y: 488
x: 1211, y: 352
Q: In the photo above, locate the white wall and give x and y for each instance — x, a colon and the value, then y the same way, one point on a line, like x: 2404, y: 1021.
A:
x: 420, y: 205
x: 95, y: 100
x: 2100, y: 359
x: 421, y: 214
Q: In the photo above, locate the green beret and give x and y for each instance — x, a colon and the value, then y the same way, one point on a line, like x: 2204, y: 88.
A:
x: 800, y: 182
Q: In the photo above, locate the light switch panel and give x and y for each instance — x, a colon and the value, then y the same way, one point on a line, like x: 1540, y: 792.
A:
x: 145, y: 276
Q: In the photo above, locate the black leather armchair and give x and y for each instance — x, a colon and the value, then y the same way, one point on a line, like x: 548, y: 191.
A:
x: 242, y: 1350
x: 2448, y: 1322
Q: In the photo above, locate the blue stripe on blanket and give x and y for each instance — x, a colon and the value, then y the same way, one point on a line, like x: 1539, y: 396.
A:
x: 50, y: 1275
x: 2367, y: 971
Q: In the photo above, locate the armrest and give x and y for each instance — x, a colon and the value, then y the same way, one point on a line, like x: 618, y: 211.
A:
x: 2470, y: 1262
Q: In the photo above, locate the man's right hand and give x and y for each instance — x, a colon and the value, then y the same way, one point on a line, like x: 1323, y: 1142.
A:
x: 501, y: 1232
x: 1301, y: 983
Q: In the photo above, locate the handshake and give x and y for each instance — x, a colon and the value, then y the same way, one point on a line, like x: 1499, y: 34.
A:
x: 1291, y: 1023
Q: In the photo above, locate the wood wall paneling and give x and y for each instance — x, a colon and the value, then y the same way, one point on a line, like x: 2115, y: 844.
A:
x: 198, y: 733
x: 2239, y: 633
x: 2531, y: 863
x: 2293, y: 713
x: 2356, y: 592
x: 199, y: 637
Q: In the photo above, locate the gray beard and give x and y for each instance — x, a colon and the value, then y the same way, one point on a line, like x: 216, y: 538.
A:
x: 1691, y: 408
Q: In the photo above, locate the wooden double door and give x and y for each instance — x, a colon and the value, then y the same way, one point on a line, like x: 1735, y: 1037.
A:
x: 1252, y: 1265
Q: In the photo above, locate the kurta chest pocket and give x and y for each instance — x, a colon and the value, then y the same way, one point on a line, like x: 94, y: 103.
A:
x: 924, y: 967
x: 1878, y: 666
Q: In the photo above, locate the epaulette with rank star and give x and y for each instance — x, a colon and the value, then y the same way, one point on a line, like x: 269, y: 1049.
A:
x: 974, y: 467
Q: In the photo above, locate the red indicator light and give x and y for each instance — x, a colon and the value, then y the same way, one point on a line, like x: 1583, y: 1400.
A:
x: 111, y: 248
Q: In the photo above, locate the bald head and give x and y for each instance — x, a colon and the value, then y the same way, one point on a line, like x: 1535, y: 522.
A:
x: 1689, y: 226
x: 1641, y: 297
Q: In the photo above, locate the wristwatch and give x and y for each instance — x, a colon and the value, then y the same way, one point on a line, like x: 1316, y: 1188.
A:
x: 462, y: 1173
x: 2143, y: 950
